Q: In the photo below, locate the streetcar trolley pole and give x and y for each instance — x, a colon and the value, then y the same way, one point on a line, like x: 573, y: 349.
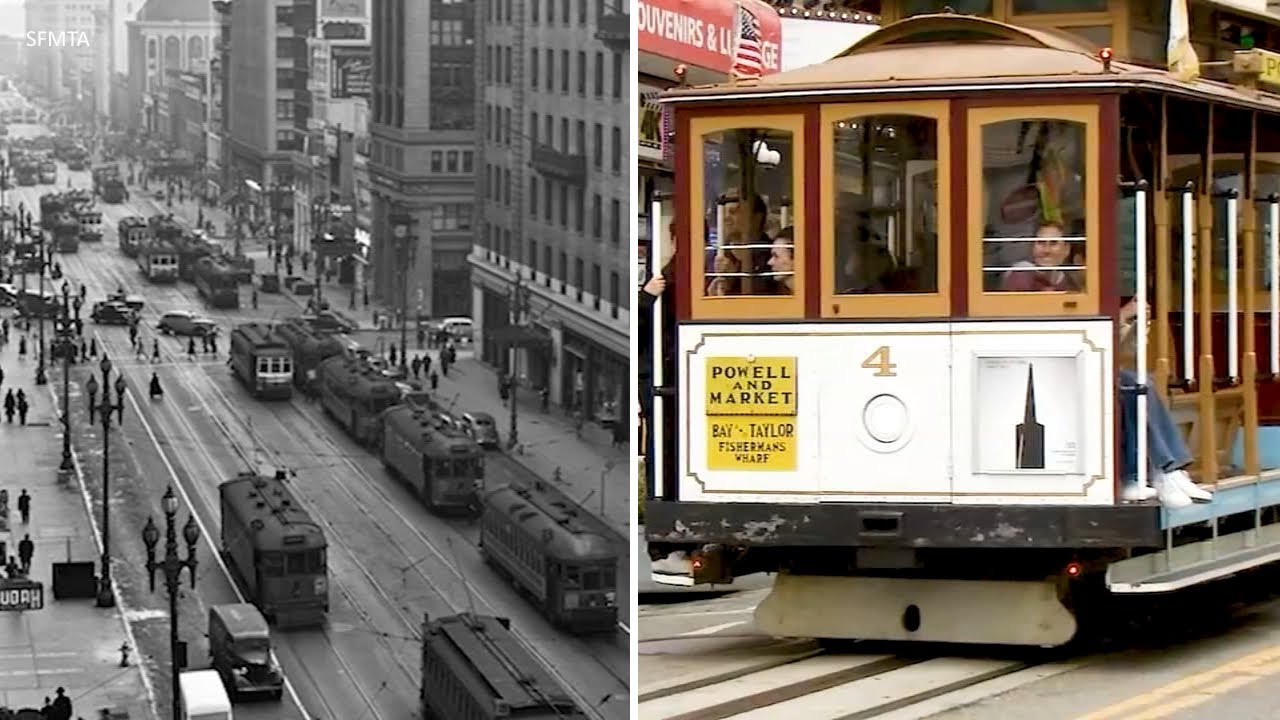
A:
x: 172, y: 566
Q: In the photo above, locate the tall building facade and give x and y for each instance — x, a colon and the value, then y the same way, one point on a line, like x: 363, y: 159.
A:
x: 267, y: 66
x: 63, y: 63
x: 550, y: 272
x: 422, y: 163
x: 168, y: 39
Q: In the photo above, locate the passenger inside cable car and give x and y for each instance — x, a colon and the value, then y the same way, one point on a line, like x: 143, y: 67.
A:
x: 1042, y: 272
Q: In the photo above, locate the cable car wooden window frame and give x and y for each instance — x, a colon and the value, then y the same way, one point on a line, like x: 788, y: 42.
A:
x: 863, y: 305
x: 983, y: 303
x: 744, y: 307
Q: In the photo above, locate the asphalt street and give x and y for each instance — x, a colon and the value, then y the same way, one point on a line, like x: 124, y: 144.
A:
x: 391, y: 562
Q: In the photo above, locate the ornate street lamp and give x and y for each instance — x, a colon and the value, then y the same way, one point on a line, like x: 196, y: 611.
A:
x: 404, y: 243
x: 65, y: 347
x: 105, y: 408
x: 172, y: 567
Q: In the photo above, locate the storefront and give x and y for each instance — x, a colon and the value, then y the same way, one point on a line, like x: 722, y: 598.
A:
x: 594, y: 378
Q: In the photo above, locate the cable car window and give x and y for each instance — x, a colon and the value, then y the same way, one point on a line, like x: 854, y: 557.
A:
x: 1058, y: 6
x: 748, y: 245
x: 1033, y: 199
x: 591, y: 580
x: 572, y: 578
x: 296, y: 563
x: 962, y: 7
x: 315, y: 561
x: 271, y: 563
x: 886, y: 204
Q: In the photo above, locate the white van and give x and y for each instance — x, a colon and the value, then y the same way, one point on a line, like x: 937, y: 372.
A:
x: 203, y: 696
x: 459, y: 328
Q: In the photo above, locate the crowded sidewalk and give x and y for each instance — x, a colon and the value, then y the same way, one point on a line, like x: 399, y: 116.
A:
x: 70, y: 643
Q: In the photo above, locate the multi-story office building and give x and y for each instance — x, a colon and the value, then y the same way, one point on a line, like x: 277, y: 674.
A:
x: 422, y: 163
x: 553, y: 160
x: 167, y: 39
x: 63, y: 61
x: 267, y: 91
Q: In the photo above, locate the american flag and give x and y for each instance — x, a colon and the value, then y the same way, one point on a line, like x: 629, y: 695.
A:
x: 746, y: 55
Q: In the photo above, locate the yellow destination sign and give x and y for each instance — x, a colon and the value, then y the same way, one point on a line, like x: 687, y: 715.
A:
x: 755, y: 443
x: 1263, y: 64
x: 751, y: 386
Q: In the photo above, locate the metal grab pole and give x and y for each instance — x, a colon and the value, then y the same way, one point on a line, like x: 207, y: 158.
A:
x: 1140, y: 293
x: 658, y: 403
x: 1233, y: 288
x: 1273, y: 276
x: 1188, y: 285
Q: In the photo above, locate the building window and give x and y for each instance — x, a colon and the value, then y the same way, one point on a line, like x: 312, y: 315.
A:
x: 468, y: 161
x: 451, y: 216
x: 615, y: 291
x: 579, y: 210
x: 581, y: 136
x: 284, y: 109
x: 617, y: 76
x: 285, y: 140
x: 595, y: 284
x: 582, y: 74
x: 597, y: 150
x: 599, y: 78
x: 551, y: 70
x: 451, y: 161
x: 577, y: 277
x: 284, y: 15
x: 533, y: 196
x: 617, y: 150
x: 564, y: 271
x: 596, y: 211
x: 284, y: 78
x: 564, y: 11
x: 506, y: 65
x: 564, y: 71
x: 534, y: 6
x: 582, y: 12
x: 506, y: 186
x: 533, y: 128
x: 547, y: 201
x: 564, y: 205
x: 546, y: 263
x: 437, y: 161
x: 448, y: 33
x: 615, y: 221
x: 533, y: 66
x: 532, y: 259
x: 564, y: 134
x: 506, y: 126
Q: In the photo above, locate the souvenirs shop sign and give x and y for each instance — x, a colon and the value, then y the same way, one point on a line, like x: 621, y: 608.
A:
x: 21, y: 595
x: 702, y: 32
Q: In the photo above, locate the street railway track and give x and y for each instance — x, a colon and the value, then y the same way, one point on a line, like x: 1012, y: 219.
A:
x: 608, y: 654
x: 209, y: 497
x: 755, y: 678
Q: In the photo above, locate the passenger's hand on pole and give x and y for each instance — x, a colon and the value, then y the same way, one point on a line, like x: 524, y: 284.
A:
x: 656, y: 285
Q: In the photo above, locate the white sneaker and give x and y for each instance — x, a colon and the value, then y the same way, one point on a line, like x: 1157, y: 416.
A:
x: 1133, y: 492
x: 1170, y: 495
x: 1183, y: 482
x: 677, y: 563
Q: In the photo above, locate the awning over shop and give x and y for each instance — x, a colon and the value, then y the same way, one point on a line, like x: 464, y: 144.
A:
x: 519, y: 336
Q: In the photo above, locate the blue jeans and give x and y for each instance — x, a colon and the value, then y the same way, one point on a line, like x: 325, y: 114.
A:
x: 1165, y: 448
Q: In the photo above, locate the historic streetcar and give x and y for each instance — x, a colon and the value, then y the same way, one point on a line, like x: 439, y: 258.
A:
x: 262, y: 360
x: 354, y: 392
x: 442, y: 465
x: 569, y: 572
x: 132, y: 234
x: 475, y: 668
x: 277, y: 551
x: 158, y: 261
x: 902, y: 379
x: 217, y: 282
x: 310, y: 348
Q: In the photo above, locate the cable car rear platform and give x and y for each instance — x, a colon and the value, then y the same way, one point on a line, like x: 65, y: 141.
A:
x: 1159, y: 550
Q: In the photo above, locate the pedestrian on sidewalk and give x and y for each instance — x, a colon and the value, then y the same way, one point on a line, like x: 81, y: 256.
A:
x: 155, y: 350
x: 191, y: 347
x: 26, y: 549
x: 133, y: 337
x: 11, y: 570
x: 213, y: 343
x: 620, y: 434
x: 9, y: 405
x: 416, y: 366
x: 24, y: 507
x: 435, y: 381
x: 1, y: 377
x: 288, y: 266
x: 84, y: 350
x: 426, y: 364
x: 393, y: 353
x: 23, y: 406
x: 255, y: 297
x: 422, y: 336
x: 47, y: 710
x: 62, y: 706
x: 22, y: 346
x: 304, y: 261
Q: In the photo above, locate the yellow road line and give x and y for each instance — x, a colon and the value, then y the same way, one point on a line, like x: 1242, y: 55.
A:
x: 1205, y: 695
x: 1242, y: 666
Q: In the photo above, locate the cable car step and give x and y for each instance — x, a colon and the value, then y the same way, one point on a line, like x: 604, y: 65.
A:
x: 1195, y: 563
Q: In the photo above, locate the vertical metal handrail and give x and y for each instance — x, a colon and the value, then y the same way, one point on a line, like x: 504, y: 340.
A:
x: 657, y: 404
x: 1273, y: 256
x: 1140, y: 295
x: 1188, y: 284
x: 1233, y: 288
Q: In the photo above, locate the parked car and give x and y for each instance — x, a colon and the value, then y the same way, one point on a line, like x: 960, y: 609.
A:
x: 113, y: 313
x: 32, y: 305
x: 8, y: 295
x: 136, y: 302
x: 482, y: 428
x: 187, y: 324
